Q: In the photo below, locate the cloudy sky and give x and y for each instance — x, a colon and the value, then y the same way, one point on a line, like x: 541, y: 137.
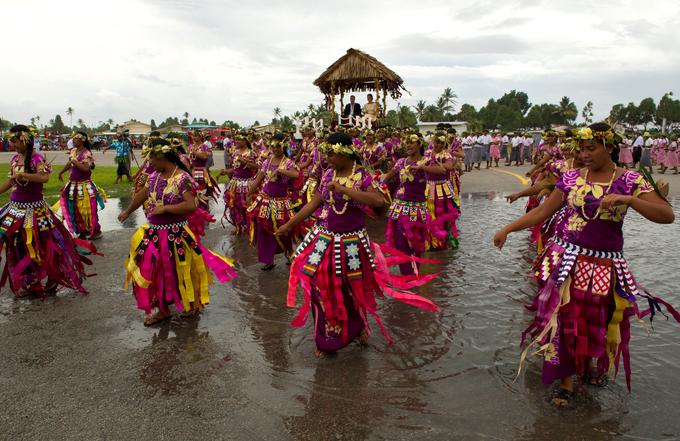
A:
x: 221, y: 60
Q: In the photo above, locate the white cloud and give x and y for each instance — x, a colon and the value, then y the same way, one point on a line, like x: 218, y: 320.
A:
x: 235, y: 60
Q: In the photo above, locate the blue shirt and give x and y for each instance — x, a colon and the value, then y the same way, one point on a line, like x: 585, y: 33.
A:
x: 123, y: 147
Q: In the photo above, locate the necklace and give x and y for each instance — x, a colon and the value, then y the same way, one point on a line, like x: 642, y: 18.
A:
x: 155, y: 185
x: 18, y: 169
x: 271, y: 176
x: 606, y: 191
x: 346, y: 180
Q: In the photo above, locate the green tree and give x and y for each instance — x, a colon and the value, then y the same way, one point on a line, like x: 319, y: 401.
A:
x: 632, y: 115
x: 587, y: 113
x: 403, y: 117
x: 449, y: 97
x: 70, y: 111
x: 153, y: 125
x: 229, y: 124
x: 515, y: 98
x: 419, y: 108
x: 4, y: 124
x: 567, y: 111
x: 647, y: 111
x: 58, y: 126
x: 668, y: 112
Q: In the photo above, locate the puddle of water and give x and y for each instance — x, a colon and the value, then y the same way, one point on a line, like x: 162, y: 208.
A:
x: 450, y: 375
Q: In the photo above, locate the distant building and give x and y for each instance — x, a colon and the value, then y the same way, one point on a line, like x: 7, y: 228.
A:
x: 134, y: 127
x: 175, y: 128
x: 424, y: 127
x: 268, y: 128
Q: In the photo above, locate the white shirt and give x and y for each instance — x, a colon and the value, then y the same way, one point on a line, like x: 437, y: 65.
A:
x: 639, y: 142
x: 528, y: 141
x: 649, y: 143
x: 505, y: 139
x: 516, y: 140
x: 467, y: 142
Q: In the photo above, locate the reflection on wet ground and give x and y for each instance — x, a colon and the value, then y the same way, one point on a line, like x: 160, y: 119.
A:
x: 447, y: 376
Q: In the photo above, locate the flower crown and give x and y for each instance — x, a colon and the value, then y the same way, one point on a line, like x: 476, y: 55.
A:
x: 586, y: 133
x: 175, y: 142
x: 338, y: 149
x: 25, y: 136
x: 414, y: 138
x: 439, y: 138
x: 158, y: 150
x: 76, y: 135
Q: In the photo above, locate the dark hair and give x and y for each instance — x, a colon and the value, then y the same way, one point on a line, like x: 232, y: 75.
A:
x: 343, y: 138
x: 603, y: 127
x: 170, y: 156
x: 155, y: 133
x: 28, y: 154
x: 86, y: 141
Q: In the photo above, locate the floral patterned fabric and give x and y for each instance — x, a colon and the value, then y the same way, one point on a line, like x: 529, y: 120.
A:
x: 588, y: 225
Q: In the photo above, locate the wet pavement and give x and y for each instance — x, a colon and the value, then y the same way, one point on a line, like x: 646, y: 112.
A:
x: 78, y: 367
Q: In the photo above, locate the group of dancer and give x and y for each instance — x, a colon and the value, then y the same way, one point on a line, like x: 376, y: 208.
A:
x: 314, y: 196
x: 309, y: 200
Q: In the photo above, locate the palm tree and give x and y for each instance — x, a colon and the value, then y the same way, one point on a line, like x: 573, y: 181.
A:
x: 32, y: 119
x: 37, y: 121
x: 311, y: 109
x: 443, y: 105
x: 420, y: 107
x: 449, y: 96
x: 70, y: 111
x: 567, y: 110
x: 277, y: 112
x: 81, y: 122
x: 186, y: 115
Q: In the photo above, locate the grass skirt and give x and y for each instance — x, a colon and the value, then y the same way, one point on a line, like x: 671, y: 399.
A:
x: 583, y: 309
x: 37, y: 247
x: 168, y: 265
x: 441, y: 202
x: 413, y: 221
x: 340, y: 276
x: 236, y: 203
x: 80, y: 202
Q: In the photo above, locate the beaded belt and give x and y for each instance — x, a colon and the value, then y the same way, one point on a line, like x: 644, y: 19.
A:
x: 169, y: 226
x: 348, y: 240
x: 26, y: 205
x: 568, y: 246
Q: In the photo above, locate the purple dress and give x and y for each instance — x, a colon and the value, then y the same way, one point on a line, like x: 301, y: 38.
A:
x: 271, y: 209
x: 587, y: 293
x: 39, y: 250
x: 409, y: 222
x: 167, y: 264
x: 341, y: 272
x: 81, y: 199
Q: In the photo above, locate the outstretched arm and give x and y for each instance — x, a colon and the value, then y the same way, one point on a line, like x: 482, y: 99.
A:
x: 535, y: 216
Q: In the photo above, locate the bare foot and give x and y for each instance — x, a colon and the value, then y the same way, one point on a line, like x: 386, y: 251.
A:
x: 154, y: 318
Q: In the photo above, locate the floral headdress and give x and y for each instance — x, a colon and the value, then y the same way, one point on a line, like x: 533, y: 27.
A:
x: 25, y: 136
x: 415, y: 138
x: 440, y: 138
x: 158, y: 150
x: 77, y: 135
x: 175, y: 142
x: 338, y: 149
x: 608, y: 137
x: 549, y: 134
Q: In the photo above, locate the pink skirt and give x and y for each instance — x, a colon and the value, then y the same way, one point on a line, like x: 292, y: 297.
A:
x: 625, y: 156
x: 671, y: 160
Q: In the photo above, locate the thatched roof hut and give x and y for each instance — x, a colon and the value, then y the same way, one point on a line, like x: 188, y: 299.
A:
x: 356, y: 71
